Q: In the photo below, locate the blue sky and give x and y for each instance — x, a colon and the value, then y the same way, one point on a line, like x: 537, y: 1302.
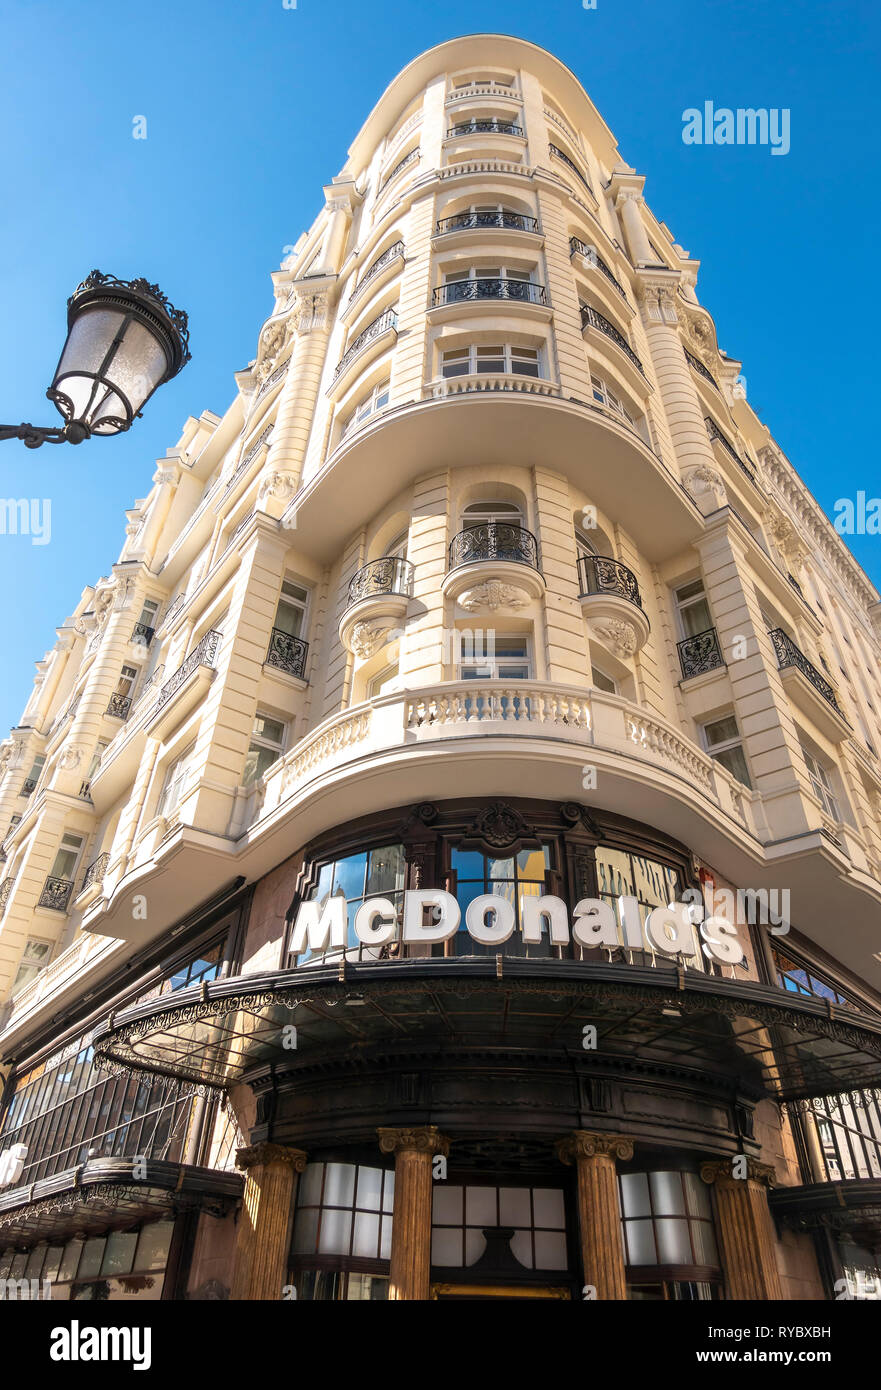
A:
x: 251, y: 107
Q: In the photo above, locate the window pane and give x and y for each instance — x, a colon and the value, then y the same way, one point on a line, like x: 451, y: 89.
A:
x: 120, y: 1252
x: 305, y: 1231
x: 521, y: 1247
x: 153, y: 1245
x: 640, y: 1243
x: 446, y: 1247
x: 336, y: 1230
x: 70, y: 1261
x: 674, y: 1247
x: 309, y: 1186
x: 704, y: 1243
x: 635, y: 1194
x: 549, y: 1207
x: 339, y: 1185
x: 721, y: 730
x: 668, y: 1198
x: 349, y: 880
x: 365, y: 1240
x: 447, y: 1205
x: 515, y: 1207
x: 697, y: 1195
x: 475, y: 1245
x: 550, y: 1250
x: 480, y: 1206
x: 90, y: 1263
x: 369, y: 1189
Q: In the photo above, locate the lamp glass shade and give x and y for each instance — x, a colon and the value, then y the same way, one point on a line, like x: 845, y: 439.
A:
x: 123, y: 341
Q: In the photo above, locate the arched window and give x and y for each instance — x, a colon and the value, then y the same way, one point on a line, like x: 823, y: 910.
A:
x: 479, y: 513
x: 398, y: 547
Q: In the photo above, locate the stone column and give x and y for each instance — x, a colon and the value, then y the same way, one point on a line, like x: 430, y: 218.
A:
x: 628, y: 203
x: 263, y: 1235
x: 745, y: 1229
x: 599, y: 1213
x: 414, y: 1150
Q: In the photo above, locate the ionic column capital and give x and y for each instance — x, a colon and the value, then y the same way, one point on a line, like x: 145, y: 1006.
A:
x: 266, y: 1155
x: 585, y: 1143
x: 422, y: 1139
x: 721, y: 1172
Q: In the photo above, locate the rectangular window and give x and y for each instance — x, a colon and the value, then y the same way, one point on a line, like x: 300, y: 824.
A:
x: 602, y: 681
x: 149, y: 609
x: 290, y: 616
x: 175, y: 779
x: 127, y: 677
x: 377, y: 400
x: 67, y: 857
x: 536, y: 1217
x: 35, y: 958
x: 491, y: 359
x: 693, y: 609
x: 508, y: 660
x: 821, y: 784
x: 265, y: 748
x: 722, y: 742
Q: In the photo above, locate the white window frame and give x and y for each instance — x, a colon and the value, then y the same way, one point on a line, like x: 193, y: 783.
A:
x: 176, y: 775
x: 691, y: 601
x: 481, y: 512
x: 75, y: 849
x: 510, y: 353
x: 490, y: 668
x: 262, y: 743
x: 821, y: 783
x: 456, y: 274
x: 374, y: 401
x: 726, y: 745
x: 34, y: 967
x: 292, y: 601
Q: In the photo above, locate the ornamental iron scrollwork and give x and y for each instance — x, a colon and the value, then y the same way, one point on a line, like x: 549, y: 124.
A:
x: 601, y: 575
x: 493, y: 126
x: 388, y: 575
x: 287, y: 653
x: 56, y: 893
x: 201, y: 655
x: 494, y: 540
x: 473, y: 221
x: 788, y: 654
x: 700, y: 653
x: 489, y: 287
x: 591, y: 318
x: 388, y: 320
x: 591, y: 254
x: 96, y: 871
x: 119, y: 706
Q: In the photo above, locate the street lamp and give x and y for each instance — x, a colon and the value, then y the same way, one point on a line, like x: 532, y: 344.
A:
x: 124, y: 339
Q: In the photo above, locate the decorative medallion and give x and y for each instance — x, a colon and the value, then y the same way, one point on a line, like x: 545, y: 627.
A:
x: 492, y: 595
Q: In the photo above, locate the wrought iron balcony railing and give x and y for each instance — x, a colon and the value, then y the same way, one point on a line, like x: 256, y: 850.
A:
x: 96, y: 871
x: 401, y: 164
x: 386, y: 320
x: 202, y: 655
x: 5, y: 891
x: 390, y: 254
x: 233, y: 478
x: 591, y: 254
x: 700, y: 653
x: 715, y: 433
x: 119, y: 706
x: 56, y: 893
x: 28, y: 786
x: 389, y: 575
x: 143, y: 633
x: 492, y: 126
x: 788, y: 654
x: 486, y: 287
x: 287, y: 653
x: 600, y: 575
x: 700, y: 368
x: 494, y: 540
x: 590, y: 317
x: 508, y: 221
x: 558, y: 154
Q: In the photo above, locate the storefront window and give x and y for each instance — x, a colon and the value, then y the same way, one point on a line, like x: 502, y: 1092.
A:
x: 375, y: 873
x: 622, y: 874
x: 514, y: 878
x: 121, y: 1266
x: 533, y: 1217
x: 342, y: 1232
x: 667, y: 1220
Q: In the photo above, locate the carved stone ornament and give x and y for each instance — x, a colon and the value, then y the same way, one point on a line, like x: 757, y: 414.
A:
x: 706, y: 487
x: 426, y: 1139
x: 621, y: 638
x: 260, y: 1155
x: 583, y: 1143
x: 273, y: 340
x: 70, y: 757
x: 367, y: 638
x: 311, y: 310
x: 723, y: 1171
x: 278, y: 484
x: 491, y: 596
x: 499, y: 826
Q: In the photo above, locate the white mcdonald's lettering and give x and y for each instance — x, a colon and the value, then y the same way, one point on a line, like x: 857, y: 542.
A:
x: 431, y: 916
x: 12, y: 1162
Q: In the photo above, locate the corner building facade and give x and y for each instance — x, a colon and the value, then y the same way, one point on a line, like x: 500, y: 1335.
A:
x: 490, y: 598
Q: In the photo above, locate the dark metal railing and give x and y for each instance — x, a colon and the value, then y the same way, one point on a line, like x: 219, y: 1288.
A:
x: 5, y: 890
x: 390, y: 254
x: 96, y: 871
x: 388, y: 575
x: 509, y: 221
x: 494, y: 540
x: 401, y: 164
x: 484, y: 287
x: 592, y: 318
x: 233, y: 477
x: 559, y: 154
x: 700, y: 653
x: 287, y: 653
x: 600, y: 575
x: 715, y: 433
x: 56, y: 893
x: 493, y: 126
x: 274, y: 376
x: 28, y: 786
x: 143, y: 633
x: 119, y: 706
x: 700, y: 368
x: 387, y: 319
x: 591, y: 254
x: 202, y: 655
x: 788, y: 654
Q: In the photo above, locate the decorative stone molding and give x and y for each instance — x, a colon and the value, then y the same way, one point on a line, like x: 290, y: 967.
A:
x: 619, y: 636
x: 70, y: 757
x: 277, y: 484
x: 706, y: 487
x: 311, y: 309
x: 657, y: 294
x: 258, y: 1155
x: 721, y: 1171
x: 367, y: 638
x: 584, y: 1143
x: 491, y: 596
x: 426, y: 1139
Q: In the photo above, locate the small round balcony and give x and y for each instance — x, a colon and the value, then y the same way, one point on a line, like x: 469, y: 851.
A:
x: 377, y: 600
x: 492, y: 566
x: 611, y: 601
x: 479, y: 294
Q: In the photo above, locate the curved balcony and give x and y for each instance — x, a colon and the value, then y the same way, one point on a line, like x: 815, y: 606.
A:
x: 592, y: 257
x: 592, y: 319
x: 492, y: 126
x: 492, y: 288
x: 807, y: 688
x: 557, y: 153
x: 377, y: 274
x: 700, y: 654
x: 492, y: 566
x: 611, y: 601
x: 381, y: 332
x: 483, y: 221
x: 377, y: 598
x: 183, y: 691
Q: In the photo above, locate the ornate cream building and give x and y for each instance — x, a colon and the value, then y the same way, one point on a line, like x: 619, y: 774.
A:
x: 489, y: 581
